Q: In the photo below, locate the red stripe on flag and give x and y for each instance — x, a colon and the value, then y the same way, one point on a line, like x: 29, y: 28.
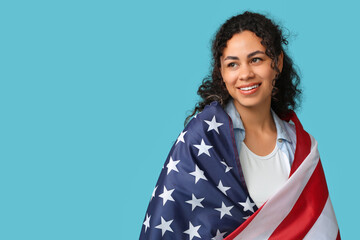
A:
x: 338, y: 236
x: 306, y: 210
x: 303, y: 144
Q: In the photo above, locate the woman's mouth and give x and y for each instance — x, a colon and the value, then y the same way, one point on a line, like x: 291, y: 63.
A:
x: 249, y: 89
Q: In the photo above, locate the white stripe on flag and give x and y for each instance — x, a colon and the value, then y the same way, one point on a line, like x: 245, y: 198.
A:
x: 325, y: 227
x: 278, y: 206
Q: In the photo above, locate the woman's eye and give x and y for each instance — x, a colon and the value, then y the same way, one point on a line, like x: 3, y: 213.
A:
x: 232, y: 65
x: 256, y: 60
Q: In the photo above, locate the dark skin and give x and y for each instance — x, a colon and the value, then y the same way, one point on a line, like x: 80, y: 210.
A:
x: 248, y: 76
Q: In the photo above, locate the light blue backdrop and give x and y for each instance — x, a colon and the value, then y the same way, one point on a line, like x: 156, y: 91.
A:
x: 94, y: 93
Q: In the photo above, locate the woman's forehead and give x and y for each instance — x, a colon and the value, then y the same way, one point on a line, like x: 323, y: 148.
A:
x: 243, y: 43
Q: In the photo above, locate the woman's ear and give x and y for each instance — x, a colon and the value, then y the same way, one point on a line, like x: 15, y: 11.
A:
x: 280, y: 61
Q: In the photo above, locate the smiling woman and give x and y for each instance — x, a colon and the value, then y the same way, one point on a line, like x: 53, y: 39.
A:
x: 244, y: 167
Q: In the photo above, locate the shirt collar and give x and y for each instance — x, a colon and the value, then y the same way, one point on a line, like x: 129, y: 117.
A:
x: 234, y: 115
x: 237, y: 123
x: 280, y: 128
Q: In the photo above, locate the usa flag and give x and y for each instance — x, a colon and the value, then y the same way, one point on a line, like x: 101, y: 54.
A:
x: 201, y: 192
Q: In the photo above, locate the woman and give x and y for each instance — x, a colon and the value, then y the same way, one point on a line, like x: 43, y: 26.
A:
x: 239, y: 169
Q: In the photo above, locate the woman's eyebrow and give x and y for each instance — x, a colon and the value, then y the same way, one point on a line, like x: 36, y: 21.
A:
x: 254, y: 53
x: 231, y: 58
x: 248, y: 56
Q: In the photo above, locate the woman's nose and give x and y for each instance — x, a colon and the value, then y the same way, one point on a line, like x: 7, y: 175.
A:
x: 245, y: 72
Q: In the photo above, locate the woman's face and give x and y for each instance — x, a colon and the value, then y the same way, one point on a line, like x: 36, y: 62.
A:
x: 247, y: 72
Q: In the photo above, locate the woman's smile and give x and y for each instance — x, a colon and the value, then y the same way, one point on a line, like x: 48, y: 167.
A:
x: 249, y: 88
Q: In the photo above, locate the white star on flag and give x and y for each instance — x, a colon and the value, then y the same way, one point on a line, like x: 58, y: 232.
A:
x: 198, y: 174
x: 164, y: 226
x: 227, y: 167
x: 224, y: 210
x: 213, y: 125
x: 195, y: 202
x: 223, y: 188
x: 172, y: 165
x: 153, y: 193
x: 193, y: 231
x: 248, y: 205
x: 203, y: 148
x: 219, y: 235
x: 246, y: 217
x: 166, y: 195
x: 147, y: 222
x: 181, y: 138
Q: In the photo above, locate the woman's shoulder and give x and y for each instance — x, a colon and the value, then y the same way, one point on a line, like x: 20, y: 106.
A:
x: 211, y: 112
x: 285, y: 128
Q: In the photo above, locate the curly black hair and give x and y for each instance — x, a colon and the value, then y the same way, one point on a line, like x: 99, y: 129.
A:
x: 286, y: 89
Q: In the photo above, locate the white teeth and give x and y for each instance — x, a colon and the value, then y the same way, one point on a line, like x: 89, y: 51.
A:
x: 249, y: 88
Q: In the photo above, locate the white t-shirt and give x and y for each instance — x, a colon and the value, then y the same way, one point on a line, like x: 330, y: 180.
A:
x: 264, y: 175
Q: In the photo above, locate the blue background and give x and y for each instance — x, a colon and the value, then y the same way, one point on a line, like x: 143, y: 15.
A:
x: 94, y: 93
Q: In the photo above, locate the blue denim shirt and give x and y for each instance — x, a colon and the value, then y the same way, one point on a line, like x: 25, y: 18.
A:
x: 286, y: 134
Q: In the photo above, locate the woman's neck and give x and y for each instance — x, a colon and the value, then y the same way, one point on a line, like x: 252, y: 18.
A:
x: 256, y: 119
x: 260, y: 128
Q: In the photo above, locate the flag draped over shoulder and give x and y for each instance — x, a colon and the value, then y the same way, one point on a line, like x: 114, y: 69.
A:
x: 201, y: 192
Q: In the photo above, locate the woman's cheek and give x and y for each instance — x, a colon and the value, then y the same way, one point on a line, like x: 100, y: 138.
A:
x: 233, y: 77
